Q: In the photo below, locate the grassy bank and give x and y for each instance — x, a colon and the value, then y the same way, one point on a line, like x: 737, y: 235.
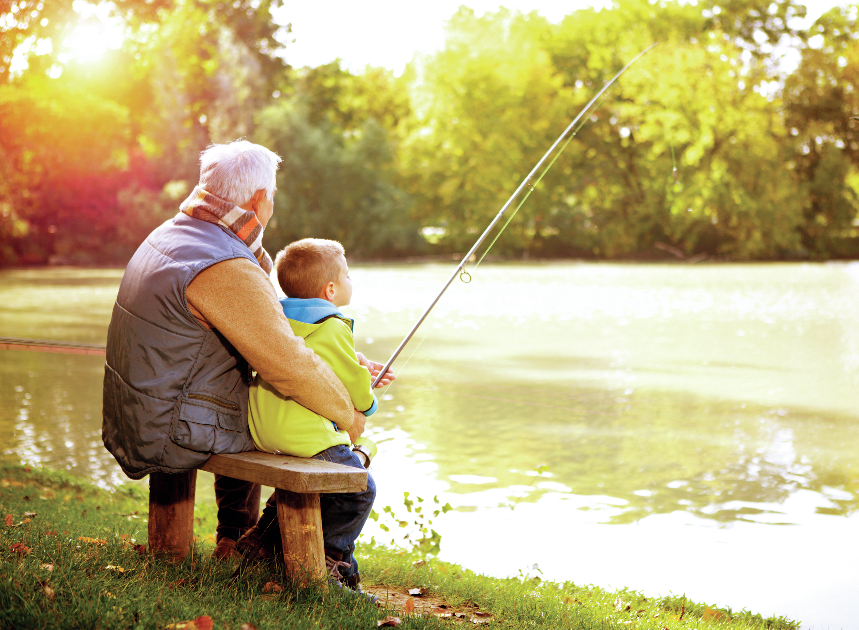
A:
x: 74, y: 556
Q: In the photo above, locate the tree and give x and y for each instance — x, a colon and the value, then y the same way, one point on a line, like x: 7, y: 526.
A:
x: 337, y: 177
x: 486, y: 108
x: 820, y: 102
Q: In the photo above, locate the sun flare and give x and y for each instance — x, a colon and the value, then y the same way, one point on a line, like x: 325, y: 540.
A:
x: 88, y: 42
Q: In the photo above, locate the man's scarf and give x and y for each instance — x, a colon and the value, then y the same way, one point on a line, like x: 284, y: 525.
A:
x: 243, y: 223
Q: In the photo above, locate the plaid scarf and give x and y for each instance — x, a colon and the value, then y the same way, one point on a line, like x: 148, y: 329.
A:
x: 243, y: 223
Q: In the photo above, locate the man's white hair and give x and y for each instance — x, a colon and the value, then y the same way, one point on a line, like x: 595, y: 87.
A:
x: 235, y: 171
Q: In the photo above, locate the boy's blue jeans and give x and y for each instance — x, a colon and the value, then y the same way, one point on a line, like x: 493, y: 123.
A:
x: 344, y: 515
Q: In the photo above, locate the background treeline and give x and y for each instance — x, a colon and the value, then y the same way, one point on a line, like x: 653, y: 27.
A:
x: 706, y: 147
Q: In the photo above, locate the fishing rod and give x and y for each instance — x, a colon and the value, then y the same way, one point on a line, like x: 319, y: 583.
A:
x: 526, y: 183
x: 41, y: 345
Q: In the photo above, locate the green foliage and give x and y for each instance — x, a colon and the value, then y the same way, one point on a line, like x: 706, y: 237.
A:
x: 337, y: 179
x: 419, y: 537
x: 820, y: 101
x: 487, y: 107
x: 80, y: 562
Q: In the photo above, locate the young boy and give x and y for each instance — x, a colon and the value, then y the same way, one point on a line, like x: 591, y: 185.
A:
x: 314, y: 275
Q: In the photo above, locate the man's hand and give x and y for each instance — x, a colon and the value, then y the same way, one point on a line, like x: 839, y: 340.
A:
x: 375, y: 368
x: 357, y: 428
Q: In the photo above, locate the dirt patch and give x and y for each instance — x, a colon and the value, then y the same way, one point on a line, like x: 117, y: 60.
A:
x: 425, y: 604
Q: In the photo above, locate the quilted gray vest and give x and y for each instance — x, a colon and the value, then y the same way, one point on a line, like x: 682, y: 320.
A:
x: 174, y: 391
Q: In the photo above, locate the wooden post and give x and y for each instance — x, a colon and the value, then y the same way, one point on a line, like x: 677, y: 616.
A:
x: 301, y: 533
x: 171, y: 513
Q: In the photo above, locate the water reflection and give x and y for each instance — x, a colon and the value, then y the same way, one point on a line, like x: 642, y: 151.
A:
x: 651, y: 452
x: 51, y: 413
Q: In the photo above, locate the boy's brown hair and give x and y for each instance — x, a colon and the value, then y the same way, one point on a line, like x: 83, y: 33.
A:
x: 306, y: 266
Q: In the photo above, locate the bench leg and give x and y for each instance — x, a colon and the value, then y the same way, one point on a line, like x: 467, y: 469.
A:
x: 301, y: 532
x: 171, y: 513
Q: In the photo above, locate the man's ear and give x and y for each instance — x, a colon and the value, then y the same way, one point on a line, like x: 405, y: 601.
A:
x: 253, y: 203
x: 258, y: 197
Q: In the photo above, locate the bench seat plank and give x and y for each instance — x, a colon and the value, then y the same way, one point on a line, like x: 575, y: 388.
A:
x: 296, y: 474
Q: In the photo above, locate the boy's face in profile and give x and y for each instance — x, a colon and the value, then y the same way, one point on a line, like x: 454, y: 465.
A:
x: 339, y: 292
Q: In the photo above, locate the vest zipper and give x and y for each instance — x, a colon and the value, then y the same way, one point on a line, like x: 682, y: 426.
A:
x: 214, y: 401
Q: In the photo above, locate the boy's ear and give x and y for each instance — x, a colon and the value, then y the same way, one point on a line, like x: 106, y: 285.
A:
x: 328, y: 291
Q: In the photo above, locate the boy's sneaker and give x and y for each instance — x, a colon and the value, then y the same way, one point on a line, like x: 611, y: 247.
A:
x: 350, y: 584
x: 334, y: 565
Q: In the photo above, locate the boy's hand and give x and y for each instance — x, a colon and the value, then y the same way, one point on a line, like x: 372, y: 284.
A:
x: 357, y: 428
x: 375, y: 368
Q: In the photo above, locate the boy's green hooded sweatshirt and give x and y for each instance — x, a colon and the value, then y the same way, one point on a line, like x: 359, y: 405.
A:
x: 279, y: 424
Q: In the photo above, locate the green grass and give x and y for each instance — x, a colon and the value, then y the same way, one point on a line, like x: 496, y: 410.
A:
x: 82, y: 592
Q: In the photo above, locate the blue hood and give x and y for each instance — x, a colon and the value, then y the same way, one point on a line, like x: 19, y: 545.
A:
x: 312, y: 310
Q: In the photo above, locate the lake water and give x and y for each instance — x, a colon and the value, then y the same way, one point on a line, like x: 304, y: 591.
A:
x: 698, y: 424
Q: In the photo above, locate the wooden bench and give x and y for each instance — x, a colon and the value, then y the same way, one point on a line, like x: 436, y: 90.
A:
x: 298, y: 483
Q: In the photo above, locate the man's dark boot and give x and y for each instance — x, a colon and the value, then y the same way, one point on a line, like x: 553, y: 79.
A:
x: 262, y: 541
x: 225, y: 549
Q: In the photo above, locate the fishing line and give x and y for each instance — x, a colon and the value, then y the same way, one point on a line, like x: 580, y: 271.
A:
x: 411, y: 354
x: 530, y: 190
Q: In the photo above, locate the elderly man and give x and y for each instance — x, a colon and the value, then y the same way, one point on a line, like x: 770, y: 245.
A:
x: 196, y: 311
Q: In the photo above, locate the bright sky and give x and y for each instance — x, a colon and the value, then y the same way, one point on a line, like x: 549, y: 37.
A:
x: 388, y: 32
x: 384, y: 33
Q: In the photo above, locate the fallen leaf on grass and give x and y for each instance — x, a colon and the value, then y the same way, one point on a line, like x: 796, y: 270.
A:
x: 9, y: 520
x: 92, y: 541
x: 48, y: 567
x: 478, y: 620
x: 20, y: 548
x: 141, y: 549
x: 417, y: 592
x: 620, y: 605
x: 271, y: 587
x: 203, y: 622
x: 711, y: 614
x: 248, y: 626
x: 49, y: 592
x: 30, y: 514
x: 113, y: 567
x: 389, y: 621
x: 50, y: 533
x: 409, y: 608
